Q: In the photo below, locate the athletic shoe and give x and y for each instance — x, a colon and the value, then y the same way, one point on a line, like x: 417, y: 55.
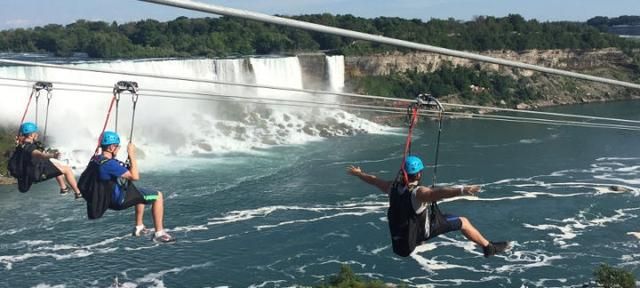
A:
x: 77, y: 195
x: 164, y: 238
x: 495, y: 248
x: 140, y: 232
x: 64, y: 191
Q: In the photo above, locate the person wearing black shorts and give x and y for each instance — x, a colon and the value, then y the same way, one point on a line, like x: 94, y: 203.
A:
x: 420, y: 199
x: 31, y: 164
x: 125, y: 194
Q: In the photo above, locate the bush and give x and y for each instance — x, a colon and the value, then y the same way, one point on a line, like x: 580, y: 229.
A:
x: 610, y: 277
x: 347, y: 279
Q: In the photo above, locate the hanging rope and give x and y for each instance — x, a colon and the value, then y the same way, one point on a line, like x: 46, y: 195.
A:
x: 104, y: 127
x: 116, y: 96
x: 431, y: 101
x: 26, y: 109
x: 413, y: 119
x: 134, y: 99
x: 46, y: 117
x: 37, y: 105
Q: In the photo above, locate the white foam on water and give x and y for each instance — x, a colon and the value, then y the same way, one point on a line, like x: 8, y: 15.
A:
x: 634, y: 234
x: 453, y: 282
x: 45, y: 285
x: 545, y: 282
x: 617, y: 159
x: 262, y: 212
x: 43, y: 249
x: 530, y: 141
x: 575, y: 226
x: 34, y: 242
x: 156, y: 277
x: 12, y: 231
x: 430, y: 264
x: 526, y: 260
x: 270, y: 283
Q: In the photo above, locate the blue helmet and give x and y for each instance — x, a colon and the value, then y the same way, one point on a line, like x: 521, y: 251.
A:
x: 109, y: 138
x: 413, y: 165
x: 27, y: 128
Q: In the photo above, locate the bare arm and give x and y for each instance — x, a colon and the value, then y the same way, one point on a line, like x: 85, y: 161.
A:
x: 383, y: 185
x: 429, y: 194
x: 44, y: 155
x: 133, y: 173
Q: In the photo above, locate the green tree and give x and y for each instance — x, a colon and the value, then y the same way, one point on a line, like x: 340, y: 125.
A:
x: 610, y: 277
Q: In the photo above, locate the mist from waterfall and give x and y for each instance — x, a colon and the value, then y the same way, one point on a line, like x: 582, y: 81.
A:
x: 186, y: 128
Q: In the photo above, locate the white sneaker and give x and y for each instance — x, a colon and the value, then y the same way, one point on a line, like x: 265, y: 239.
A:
x: 142, y: 231
x: 163, y: 237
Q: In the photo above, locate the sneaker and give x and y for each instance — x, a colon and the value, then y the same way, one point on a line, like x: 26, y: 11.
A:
x: 495, y: 248
x: 164, y: 238
x: 77, y: 195
x: 64, y: 191
x: 141, y: 232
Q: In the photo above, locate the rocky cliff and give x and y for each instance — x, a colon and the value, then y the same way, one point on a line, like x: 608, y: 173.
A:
x: 610, y: 63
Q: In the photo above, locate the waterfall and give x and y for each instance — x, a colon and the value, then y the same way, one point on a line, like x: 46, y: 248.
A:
x: 178, y: 127
x: 335, y: 71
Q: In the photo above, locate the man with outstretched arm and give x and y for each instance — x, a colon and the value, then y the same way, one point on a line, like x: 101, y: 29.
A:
x: 125, y: 194
x: 418, y: 202
x: 31, y: 164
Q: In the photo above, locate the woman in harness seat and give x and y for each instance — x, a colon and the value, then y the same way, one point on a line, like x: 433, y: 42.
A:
x: 413, y: 218
x: 30, y: 164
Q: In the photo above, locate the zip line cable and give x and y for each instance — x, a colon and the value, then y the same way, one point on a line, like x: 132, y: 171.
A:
x: 247, y: 99
x: 245, y: 14
x: 315, y: 92
x: 366, y: 108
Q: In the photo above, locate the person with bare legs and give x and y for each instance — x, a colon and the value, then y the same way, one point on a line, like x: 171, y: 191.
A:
x: 31, y: 164
x: 419, y: 199
x: 125, y: 194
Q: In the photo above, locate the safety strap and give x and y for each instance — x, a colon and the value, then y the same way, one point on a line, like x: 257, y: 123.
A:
x: 435, y: 164
x: 35, y: 91
x: 37, y: 105
x: 134, y: 98
x: 117, y: 99
x: 106, y: 121
x: 131, y: 87
x: 429, y: 102
x: 26, y: 109
x: 46, y: 116
x: 118, y: 88
x: 413, y: 120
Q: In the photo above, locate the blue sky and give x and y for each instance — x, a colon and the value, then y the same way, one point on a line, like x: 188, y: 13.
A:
x: 29, y: 13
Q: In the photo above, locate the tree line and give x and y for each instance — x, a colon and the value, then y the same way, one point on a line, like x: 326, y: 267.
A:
x: 470, y: 84
x: 226, y: 36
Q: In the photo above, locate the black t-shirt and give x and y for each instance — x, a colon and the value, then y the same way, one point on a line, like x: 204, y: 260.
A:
x: 28, y: 148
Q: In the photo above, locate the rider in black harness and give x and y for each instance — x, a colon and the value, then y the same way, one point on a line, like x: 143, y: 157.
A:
x: 30, y: 164
x: 413, y: 214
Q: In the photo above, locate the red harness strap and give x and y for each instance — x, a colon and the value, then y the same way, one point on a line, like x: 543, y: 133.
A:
x: 106, y: 121
x: 407, y: 145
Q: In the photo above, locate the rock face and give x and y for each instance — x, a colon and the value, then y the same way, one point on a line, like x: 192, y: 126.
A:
x: 7, y: 180
x: 314, y: 70
x: 383, y: 64
x: 553, y: 90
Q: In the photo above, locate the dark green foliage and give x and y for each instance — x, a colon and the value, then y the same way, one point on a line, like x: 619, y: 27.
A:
x: 347, y: 279
x: 6, y: 146
x: 449, y: 80
x: 230, y: 36
x: 610, y: 277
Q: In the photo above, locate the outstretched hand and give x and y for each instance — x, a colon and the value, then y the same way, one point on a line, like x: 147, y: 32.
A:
x: 472, y: 190
x: 354, y: 170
